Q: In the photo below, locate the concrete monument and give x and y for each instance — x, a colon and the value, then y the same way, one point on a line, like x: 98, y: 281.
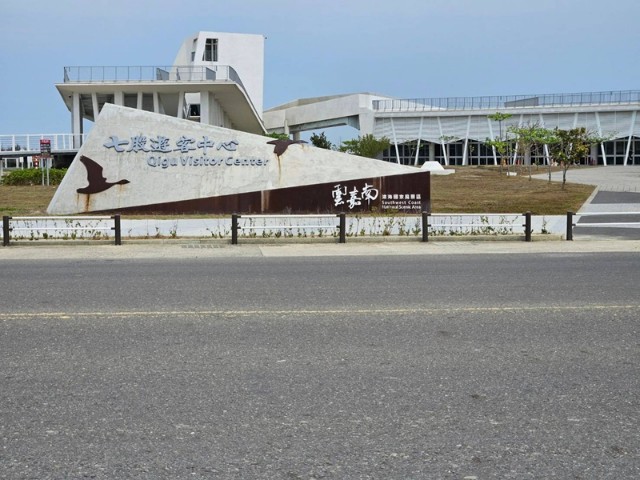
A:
x: 137, y: 161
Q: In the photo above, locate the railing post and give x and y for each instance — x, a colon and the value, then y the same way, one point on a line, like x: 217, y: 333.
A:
x: 425, y: 226
x: 569, y: 225
x: 234, y: 229
x: 527, y: 226
x: 117, y: 229
x: 343, y: 227
x: 5, y: 230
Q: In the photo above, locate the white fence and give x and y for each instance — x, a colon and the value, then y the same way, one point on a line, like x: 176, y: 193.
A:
x: 29, y: 144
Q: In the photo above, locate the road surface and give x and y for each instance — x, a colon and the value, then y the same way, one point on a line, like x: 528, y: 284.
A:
x: 404, y: 367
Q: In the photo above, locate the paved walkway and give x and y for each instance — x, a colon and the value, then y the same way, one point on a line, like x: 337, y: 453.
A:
x: 618, y: 192
x: 154, y: 249
x: 610, y: 179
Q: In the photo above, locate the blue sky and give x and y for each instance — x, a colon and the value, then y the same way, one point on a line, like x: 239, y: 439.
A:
x: 402, y: 48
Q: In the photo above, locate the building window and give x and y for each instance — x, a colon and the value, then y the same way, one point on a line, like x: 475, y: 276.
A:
x: 211, y: 50
x: 194, y: 110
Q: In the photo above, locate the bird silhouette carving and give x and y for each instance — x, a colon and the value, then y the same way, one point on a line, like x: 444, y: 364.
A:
x: 281, y: 145
x: 97, y: 182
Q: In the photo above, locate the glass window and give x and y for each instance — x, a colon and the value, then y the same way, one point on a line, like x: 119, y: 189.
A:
x: 211, y: 50
x: 608, y: 148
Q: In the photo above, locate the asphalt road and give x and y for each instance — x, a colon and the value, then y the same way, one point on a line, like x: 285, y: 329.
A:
x: 395, y: 367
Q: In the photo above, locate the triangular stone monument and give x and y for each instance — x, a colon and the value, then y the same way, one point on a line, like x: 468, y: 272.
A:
x: 137, y: 161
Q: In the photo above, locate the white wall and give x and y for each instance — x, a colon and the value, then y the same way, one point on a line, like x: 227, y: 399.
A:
x: 243, y: 52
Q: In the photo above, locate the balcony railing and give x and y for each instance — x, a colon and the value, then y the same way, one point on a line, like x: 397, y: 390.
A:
x: 188, y: 73
x: 29, y: 144
x: 629, y: 97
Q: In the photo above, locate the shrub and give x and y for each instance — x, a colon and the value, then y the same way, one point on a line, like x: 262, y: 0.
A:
x: 33, y: 176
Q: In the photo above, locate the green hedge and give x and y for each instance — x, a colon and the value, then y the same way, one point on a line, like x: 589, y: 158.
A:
x: 33, y: 176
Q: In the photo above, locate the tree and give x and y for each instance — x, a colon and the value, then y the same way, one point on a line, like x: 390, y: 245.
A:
x: 570, y: 146
x: 499, y: 117
x: 365, y: 146
x: 278, y: 136
x: 501, y: 144
x: 446, y: 140
x: 321, y: 141
x: 530, y: 136
x: 503, y: 147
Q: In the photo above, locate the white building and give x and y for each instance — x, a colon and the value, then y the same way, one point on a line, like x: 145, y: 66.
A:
x: 453, y: 131
x: 216, y: 79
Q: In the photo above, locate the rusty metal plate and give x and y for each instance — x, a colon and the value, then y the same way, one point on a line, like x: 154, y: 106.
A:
x: 405, y: 193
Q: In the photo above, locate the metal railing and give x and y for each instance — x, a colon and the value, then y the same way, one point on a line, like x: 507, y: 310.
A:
x: 38, y: 228
x: 484, y: 227
x: 236, y: 227
x: 627, y: 97
x: 52, y: 224
x: 571, y: 224
x: 140, y: 73
x: 29, y: 144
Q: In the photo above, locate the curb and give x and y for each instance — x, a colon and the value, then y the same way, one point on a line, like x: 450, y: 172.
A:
x: 290, y: 241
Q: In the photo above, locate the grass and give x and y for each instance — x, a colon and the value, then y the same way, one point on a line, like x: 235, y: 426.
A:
x: 469, y: 190
x: 485, y: 190
x: 25, y: 200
